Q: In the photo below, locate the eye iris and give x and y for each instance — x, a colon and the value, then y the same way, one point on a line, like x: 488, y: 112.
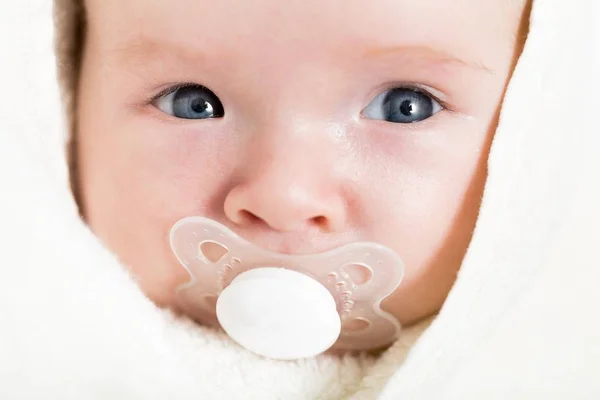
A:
x: 196, y: 103
x: 407, y: 106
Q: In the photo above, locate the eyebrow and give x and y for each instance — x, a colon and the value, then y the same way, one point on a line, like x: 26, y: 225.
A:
x: 141, y: 49
x: 426, y: 52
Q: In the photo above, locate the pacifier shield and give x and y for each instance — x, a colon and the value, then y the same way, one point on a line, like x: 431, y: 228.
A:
x: 286, y: 306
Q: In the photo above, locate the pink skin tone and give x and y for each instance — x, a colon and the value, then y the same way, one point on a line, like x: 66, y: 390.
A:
x: 297, y: 164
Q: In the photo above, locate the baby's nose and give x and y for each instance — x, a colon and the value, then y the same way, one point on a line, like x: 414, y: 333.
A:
x: 288, y: 191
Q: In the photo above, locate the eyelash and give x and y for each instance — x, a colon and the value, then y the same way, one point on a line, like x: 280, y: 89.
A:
x: 445, y: 106
x: 419, y: 89
x: 171, y: 89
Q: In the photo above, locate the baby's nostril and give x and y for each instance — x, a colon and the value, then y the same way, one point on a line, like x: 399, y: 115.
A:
x: 320, y: 221
x: 249, y: 217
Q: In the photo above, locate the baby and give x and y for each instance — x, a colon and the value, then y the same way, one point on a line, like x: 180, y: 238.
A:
x: 302, y: 126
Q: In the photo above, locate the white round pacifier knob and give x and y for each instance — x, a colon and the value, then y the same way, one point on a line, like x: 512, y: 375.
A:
x: 279, y: 313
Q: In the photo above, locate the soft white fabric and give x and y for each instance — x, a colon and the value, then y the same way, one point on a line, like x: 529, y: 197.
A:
x: 520, y: 323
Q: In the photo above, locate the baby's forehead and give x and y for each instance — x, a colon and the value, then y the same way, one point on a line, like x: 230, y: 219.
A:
x: 467, y: 29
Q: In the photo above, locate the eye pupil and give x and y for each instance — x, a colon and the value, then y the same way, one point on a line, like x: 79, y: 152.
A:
x: 407, y: 108
x: 199, y: 105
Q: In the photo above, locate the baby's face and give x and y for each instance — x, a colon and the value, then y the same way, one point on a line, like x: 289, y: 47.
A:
x: 301, y: 125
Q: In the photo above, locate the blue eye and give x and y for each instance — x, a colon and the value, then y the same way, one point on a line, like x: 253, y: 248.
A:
x: 190, y: 102
x: 402, y: 105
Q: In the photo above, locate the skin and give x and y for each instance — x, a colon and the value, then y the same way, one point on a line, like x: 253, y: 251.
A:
x: 295, y: 165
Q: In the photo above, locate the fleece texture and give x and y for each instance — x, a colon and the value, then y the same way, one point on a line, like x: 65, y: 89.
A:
x: 520, y: 323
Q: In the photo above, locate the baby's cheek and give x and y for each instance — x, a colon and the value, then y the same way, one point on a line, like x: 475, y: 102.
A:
x: 178, y: 171
x: 139, y: 180
x: 424, y: 200
x: 417, y: 221
x: 416, y: 189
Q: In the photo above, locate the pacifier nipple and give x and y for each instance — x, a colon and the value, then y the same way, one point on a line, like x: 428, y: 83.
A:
x: 279, y: 313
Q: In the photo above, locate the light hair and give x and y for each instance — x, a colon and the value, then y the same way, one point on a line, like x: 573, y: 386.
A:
x: 69, y: 21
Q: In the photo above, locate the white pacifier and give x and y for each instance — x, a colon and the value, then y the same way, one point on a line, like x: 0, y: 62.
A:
x: 286, y: 306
